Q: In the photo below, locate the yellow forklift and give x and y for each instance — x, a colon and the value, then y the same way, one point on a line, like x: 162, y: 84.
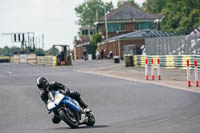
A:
x: 64, y: 58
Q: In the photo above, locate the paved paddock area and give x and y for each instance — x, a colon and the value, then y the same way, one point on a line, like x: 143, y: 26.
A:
x: 173, y: 77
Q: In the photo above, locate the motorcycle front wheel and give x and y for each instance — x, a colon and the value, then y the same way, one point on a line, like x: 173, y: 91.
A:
x: 91, y: 120
x: 69, y: 117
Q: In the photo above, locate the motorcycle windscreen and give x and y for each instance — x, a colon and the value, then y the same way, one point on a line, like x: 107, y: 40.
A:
x: 50, y: 105
x: 58, y: 98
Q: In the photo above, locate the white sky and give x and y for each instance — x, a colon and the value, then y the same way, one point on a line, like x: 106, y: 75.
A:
x: 53, y: 18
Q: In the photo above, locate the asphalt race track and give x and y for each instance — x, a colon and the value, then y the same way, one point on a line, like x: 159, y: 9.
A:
x: 120, y: 106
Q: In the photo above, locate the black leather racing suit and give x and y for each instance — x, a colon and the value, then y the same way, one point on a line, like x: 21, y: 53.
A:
x: 54, y: 86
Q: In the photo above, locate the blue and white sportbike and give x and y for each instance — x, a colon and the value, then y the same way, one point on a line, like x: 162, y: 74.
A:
x: 69, y: 110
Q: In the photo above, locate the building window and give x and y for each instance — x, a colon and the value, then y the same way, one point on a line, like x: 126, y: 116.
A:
x: 144, y: 25
x: 116, y: 27
x: 149, y: 25
x: 113, y: 27
x: 91, y: 32
x: 136, y: 26
x: 122, y: 27
x: 85, y: 32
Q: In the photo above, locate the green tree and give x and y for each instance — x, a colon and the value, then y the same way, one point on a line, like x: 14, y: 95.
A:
x: 120, y: 3
x: 180, y: 15
x: 96, y: 38
x: 40, y: 52
x: 153, y: 6
x: 6, y: 51
x: 52, y: 51
x: 90, y: 10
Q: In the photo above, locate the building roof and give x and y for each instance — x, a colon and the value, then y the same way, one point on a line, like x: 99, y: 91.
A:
x: 128, y: 12
x: 147, y: 33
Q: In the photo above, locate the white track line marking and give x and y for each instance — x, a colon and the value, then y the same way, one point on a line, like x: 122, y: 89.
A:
x: 9, y: 72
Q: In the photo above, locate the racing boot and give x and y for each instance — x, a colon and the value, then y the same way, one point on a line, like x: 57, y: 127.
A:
x: 84, y: 106
x: 87, y: 110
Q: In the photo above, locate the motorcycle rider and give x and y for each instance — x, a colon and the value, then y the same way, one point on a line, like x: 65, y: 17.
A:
x: 44, y: 86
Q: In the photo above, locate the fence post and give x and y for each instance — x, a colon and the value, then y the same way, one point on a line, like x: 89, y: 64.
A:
x: 146, y: 69
x: 196, y: 74
x: 158, y: 69
x: 152, y: 69
x: 188, y: 73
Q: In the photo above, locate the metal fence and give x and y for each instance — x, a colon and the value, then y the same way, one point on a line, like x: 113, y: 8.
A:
x: 173, y: 45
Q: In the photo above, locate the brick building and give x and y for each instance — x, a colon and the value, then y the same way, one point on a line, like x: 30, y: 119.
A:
x: 85, y: 37
x: 135, y: 39
x: 126, y: 19
x: 120, y: 22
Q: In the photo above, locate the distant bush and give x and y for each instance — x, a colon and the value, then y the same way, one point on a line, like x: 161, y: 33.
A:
x: 96, y: 38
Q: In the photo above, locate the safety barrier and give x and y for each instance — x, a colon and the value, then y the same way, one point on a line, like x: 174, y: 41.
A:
x: 15, y: 59
x: 47, y: 60
x: 4, y: 59
x: 168, y: 61
x: 33, y: 59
